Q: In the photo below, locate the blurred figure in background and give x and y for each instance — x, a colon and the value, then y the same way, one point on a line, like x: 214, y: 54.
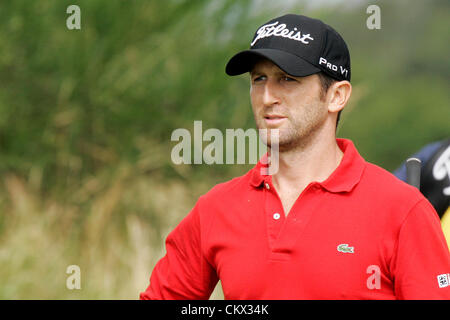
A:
x: 435, y: 179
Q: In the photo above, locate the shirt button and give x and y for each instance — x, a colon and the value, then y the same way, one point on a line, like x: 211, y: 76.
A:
x: 276, y: 216
x: 267, y: 186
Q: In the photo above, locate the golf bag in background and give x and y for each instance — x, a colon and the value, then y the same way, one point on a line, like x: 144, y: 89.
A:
x: 434, y: 174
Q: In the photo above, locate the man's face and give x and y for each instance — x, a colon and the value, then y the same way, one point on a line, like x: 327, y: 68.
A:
x: 291, y: 104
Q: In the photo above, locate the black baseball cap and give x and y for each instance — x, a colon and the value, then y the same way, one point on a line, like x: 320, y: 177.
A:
x: 298, y: 45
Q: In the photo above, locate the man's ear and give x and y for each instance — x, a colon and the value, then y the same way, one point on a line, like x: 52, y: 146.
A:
x: 338, y: 95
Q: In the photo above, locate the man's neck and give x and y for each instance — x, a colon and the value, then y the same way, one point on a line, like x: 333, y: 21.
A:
x: 311, y: 162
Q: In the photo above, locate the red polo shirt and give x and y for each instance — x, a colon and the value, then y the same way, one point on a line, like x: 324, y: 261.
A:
x: 360, y: 234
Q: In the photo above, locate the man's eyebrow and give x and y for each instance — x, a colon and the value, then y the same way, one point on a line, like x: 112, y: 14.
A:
x: 260, y: 72
x: 255, y: 72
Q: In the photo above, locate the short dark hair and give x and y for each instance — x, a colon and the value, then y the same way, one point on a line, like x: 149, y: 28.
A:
x: 326, y: 81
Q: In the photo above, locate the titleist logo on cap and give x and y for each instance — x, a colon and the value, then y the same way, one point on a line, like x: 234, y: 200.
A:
x: 298, y: 45
x: 279, y: 30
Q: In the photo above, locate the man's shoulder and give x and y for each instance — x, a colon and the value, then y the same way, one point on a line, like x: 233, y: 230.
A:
x: 231, y: 188
x: 387, y: 185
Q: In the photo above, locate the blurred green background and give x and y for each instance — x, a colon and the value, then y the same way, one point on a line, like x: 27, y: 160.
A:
x: 86, y: 118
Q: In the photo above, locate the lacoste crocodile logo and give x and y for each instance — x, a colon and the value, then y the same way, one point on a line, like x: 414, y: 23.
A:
x: 345, y: 248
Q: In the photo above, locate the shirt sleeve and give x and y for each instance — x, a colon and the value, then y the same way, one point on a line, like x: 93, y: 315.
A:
x: 421, y: 261
x: 184, y: 272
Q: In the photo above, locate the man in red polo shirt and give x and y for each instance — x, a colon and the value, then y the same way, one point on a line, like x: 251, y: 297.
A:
x: 327, y: 224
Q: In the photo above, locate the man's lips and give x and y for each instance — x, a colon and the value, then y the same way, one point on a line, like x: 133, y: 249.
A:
x: 274, y: 119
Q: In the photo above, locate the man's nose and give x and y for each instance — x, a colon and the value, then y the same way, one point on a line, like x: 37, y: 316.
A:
x: 270, y: 94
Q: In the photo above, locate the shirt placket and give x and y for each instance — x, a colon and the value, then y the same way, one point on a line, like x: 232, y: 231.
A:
x: 283, y: 232
x: 275, y: 217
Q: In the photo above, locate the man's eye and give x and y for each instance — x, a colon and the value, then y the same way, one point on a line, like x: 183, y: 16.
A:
x: 258, y: 78
x: 286, y: 78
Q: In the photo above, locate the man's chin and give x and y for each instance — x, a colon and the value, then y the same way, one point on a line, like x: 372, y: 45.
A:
x: 280, y: 146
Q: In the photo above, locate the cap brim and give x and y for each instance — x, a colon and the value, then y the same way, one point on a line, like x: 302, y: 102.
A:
x: 293, y: 65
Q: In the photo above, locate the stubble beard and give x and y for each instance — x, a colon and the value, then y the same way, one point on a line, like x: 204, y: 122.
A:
x: 297, y: 135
